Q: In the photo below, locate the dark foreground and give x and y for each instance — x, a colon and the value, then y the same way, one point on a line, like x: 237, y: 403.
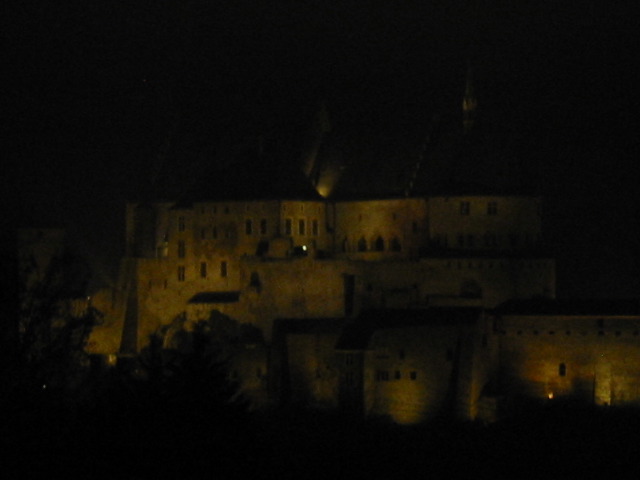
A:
x: 143, y: 440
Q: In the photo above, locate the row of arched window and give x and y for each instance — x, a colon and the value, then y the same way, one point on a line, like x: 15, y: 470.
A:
x: 377, y: 245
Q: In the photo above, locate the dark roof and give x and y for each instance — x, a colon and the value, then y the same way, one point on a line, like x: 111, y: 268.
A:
x: 215, y: 297
x: 248, y: 181
x: 356, y: 335
x: 592, y: 306
x: 285, y: 326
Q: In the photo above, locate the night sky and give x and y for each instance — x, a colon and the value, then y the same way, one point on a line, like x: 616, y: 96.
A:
x: 107, y: 101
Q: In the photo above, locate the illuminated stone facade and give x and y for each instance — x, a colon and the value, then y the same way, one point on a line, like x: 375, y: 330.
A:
x: 589, y: 350
x: 258, y: 260
x: 315, y: 258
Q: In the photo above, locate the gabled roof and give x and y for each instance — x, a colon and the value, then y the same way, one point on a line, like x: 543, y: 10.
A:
x: 356, y: 335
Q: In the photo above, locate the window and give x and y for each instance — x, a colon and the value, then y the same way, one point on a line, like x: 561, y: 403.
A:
x: 248, y: 227
x: 401, y: 354
x: 203, y: 233
x: 414, y: 227
x: 492, y: 208
x: 562, y: 370
x: 362, y: 245
x: 465, y: 208
x: 397, y: 375
x: 223, y: 269
x: 181, y: 274
x: 395, y: 245
x: 470, y: 241
x: 379, y: 245
x: 382, y: 376
x: 181, y: 249
x: 314, y: 227
x: 490, y: 240
x: 214, y: 232
x: 413, y: 375
x: 348, y: 359
x: 263, y: 226
x: 181, y: 224
x: 301, y: 227
x: 287, y: 226
x: 203, y: 269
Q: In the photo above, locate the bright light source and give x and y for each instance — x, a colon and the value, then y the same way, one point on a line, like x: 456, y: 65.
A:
x: 304, y: 248
x: 550, y: 395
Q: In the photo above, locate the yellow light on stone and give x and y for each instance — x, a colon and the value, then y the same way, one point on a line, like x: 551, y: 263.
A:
x: 550, y: 395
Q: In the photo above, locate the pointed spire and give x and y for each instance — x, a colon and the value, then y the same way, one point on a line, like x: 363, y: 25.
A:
x: 469, y: 102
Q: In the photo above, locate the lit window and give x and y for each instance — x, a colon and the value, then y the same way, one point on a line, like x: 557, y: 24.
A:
x: 181, y: 224
x: 465, y: 208
x: 181, y: 249
x: 288, y: 226
x: 263, y: 227
x: 223, y: 269
x: 181, y: 274
x: 492, y: 208
x: 301, y: 227
x: 314, y: 227
x: 248, y: 227
x: 203, y: 269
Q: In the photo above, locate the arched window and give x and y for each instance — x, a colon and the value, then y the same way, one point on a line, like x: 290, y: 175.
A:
x: 362, y: 245
x: 379, y: 245
x: 395, y: 244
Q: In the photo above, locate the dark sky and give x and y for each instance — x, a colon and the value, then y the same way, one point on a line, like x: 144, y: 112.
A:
x: 106, y: 101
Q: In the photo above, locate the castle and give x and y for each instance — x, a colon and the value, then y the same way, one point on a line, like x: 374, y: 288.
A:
x: 404, y: 305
